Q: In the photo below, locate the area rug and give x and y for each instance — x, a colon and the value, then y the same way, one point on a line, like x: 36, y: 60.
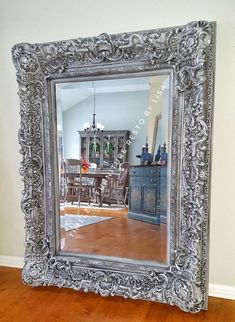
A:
x: 70, y: 222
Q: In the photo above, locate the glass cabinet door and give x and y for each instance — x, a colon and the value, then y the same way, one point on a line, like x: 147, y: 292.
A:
x: 121, y: 140
x: 84, y: 152
x: 109, y: 143
x: 95, y: 150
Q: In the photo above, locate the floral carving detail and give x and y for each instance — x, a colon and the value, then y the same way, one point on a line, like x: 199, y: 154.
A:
x: 188, y: 51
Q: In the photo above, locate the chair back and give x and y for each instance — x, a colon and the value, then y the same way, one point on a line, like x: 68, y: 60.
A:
x: 72, y: 171
x: 124, y: 169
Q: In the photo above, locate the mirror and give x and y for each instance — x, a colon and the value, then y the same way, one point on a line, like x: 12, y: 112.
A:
x: 113, y: 161
x: 115, y: 140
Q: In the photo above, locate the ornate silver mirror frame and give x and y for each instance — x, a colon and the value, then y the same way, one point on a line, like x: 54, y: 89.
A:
x: 188, y: 53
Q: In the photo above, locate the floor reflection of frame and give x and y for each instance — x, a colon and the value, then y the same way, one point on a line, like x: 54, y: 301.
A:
x: 119, y: 237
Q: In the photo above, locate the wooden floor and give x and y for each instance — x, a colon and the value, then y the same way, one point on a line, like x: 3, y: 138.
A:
x: 118, y: 237
x: 20, y: 303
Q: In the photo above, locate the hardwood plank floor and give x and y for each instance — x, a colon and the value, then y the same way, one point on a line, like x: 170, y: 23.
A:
x: 20, y: 303
x: 118, y: 237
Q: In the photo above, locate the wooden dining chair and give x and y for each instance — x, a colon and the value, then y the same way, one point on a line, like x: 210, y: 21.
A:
x: 75, y: 186
x: 116, y: 188
x: 120, y: 188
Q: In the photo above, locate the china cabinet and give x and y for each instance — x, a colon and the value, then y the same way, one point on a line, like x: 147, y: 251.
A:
x: 103, y: 148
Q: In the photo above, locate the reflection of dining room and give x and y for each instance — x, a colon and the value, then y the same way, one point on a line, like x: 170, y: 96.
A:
x: 112, y: 158
x: 83, y: 183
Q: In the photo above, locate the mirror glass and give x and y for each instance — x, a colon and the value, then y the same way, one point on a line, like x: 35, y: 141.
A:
x: 113, y: 155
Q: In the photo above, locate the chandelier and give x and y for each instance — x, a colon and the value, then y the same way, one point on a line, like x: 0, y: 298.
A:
x: 93, y: 127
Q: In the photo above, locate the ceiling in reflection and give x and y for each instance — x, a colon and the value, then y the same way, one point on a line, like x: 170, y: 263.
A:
x: 73, y: 93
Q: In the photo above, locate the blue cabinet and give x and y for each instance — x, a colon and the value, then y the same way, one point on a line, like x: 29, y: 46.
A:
x: 148, y: 193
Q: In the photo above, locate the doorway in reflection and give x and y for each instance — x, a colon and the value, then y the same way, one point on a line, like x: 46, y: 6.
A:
x: 113, y: 155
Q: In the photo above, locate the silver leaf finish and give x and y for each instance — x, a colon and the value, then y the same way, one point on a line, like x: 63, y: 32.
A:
x: 188, y: 52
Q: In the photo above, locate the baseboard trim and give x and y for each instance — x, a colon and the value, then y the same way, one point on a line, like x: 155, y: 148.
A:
x: 11, y: 261
x: 215, y: 290
x: 222, y: 291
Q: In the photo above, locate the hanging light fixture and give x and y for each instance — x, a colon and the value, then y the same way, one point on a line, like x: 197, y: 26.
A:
x: 93, y: 127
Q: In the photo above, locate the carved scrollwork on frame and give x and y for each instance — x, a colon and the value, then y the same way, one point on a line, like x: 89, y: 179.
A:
x: 188, y: 51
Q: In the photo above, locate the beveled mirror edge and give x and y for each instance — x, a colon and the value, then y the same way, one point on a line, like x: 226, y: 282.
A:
x: 189, y: 50
x: 138, y: 263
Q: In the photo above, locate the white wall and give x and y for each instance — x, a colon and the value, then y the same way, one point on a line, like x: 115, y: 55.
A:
x: 39, y: 21
x: 116, y: 111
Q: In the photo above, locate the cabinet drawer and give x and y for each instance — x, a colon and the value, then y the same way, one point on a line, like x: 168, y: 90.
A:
x: 135, y: 181
x: 145, y: 171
